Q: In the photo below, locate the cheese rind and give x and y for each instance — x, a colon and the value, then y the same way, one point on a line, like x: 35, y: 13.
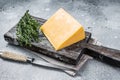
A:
x: 62, y: 30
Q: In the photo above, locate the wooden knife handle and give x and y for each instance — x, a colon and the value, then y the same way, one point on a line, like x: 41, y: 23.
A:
x: 105, y: 54
x: 13, y: 56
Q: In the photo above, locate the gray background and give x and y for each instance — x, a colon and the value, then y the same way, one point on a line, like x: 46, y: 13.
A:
x: 100, y: 17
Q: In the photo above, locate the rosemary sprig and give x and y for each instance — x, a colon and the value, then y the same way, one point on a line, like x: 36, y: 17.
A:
x: 27, y: 30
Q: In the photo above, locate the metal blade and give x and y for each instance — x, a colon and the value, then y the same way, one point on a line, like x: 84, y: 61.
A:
x: 69, y: 69
x: 43, y: 63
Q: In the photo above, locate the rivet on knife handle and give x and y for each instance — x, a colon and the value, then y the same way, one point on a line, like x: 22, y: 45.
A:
x: 13, y: 56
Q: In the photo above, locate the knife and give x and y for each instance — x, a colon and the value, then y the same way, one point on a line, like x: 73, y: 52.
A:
x: 43, y: 63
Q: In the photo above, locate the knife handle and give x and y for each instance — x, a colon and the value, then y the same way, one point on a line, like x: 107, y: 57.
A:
x: 14, y: 57
x: 105, y: 54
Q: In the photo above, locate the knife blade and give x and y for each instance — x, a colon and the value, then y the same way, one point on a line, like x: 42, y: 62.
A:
x: 49, y: 65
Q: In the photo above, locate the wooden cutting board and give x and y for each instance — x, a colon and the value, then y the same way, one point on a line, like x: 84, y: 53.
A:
x: 69, y: 54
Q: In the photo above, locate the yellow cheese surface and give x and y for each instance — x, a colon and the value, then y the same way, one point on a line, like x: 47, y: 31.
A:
x: 62, y: 30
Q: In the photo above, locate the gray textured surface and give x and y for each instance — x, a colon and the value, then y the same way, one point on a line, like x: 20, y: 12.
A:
x: 101, y: 17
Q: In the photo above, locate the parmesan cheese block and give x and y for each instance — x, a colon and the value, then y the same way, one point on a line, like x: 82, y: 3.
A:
x: 62, y: 30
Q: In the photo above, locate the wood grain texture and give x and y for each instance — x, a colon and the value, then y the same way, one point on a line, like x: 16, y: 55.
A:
x: 13, y: 56
x: 69, y: 54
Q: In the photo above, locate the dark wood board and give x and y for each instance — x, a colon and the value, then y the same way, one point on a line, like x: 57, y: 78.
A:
x: 69, y: 54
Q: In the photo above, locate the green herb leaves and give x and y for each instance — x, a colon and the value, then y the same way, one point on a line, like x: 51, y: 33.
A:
x: 27, y: 30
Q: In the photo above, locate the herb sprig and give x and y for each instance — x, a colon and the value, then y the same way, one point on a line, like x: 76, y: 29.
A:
x: 27, y: 30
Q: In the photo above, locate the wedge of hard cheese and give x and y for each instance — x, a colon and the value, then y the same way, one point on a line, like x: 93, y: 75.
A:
x: 62, y: 30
